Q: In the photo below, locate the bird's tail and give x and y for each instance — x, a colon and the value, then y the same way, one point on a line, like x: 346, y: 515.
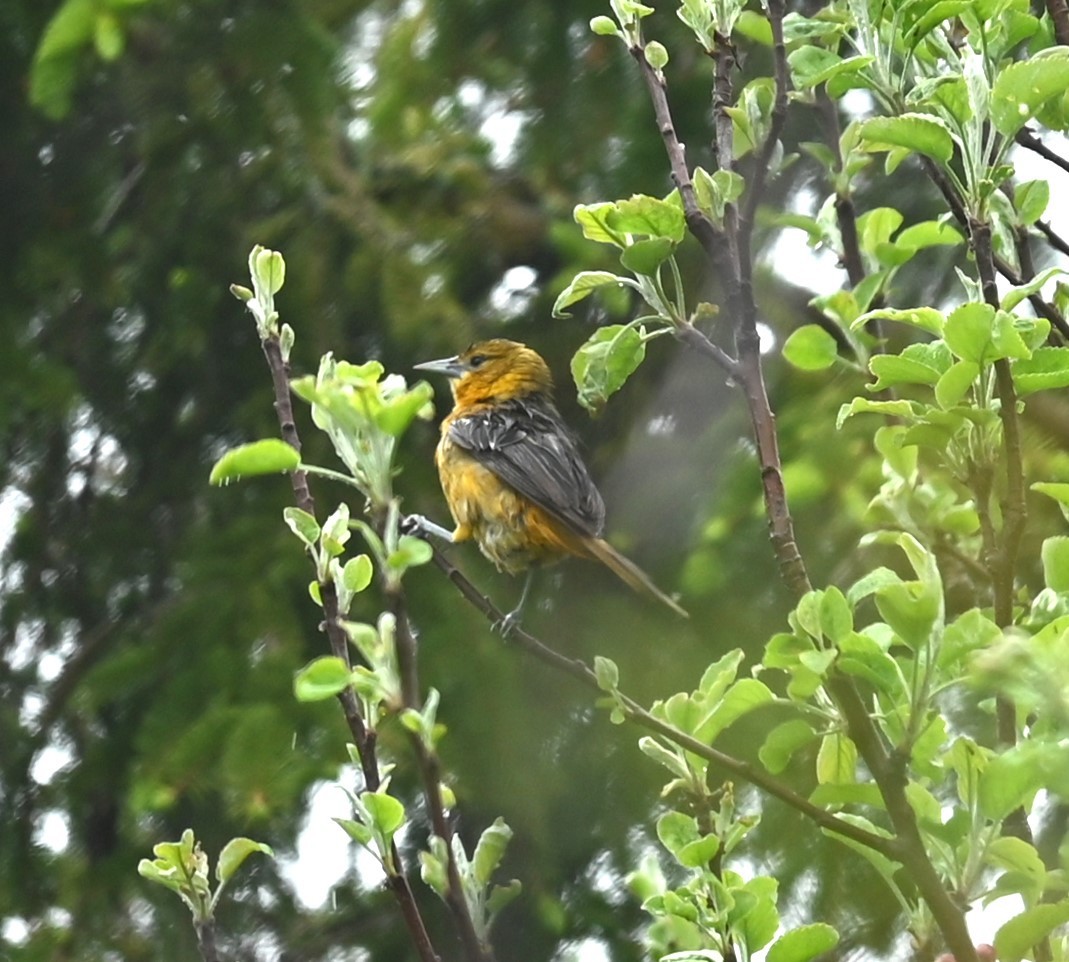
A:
x: 629, y: 572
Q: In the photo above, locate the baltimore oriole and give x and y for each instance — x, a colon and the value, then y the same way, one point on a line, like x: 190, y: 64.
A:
x: 511, y: 472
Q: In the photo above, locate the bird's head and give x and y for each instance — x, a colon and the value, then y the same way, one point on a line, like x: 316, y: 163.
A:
x: 494, y: 370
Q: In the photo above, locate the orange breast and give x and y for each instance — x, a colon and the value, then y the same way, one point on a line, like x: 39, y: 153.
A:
x: 510, y: 530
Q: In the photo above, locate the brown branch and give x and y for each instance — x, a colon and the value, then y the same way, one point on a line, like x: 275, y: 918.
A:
x: 205, y: 930
x: 363, y: 737
x: 1054, y: 239
x: 1042, y: 308
x: 635, y: 713
x: 431, y: 775
x: 1059, y: 16
x: 763, y: 157
x: 1028, y: 139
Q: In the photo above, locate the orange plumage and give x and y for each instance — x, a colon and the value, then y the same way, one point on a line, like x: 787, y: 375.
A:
x: 510, y: 469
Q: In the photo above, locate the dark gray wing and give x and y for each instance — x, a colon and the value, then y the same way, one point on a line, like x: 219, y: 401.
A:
x: 527, y: 446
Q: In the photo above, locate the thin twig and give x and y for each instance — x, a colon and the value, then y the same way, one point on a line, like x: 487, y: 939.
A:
x: 763, y: 155
x: 205, y: 930
x: 1054, y: 239
x: 1027, y: 138
x: 634, y: 712
x: 363, y: 737
x: 431, y: 775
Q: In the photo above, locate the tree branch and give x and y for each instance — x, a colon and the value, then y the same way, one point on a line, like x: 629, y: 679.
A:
x: 431, y: 775
x: 363, y: 737
x: 763, y: 157
x: 1059, y: 15
x: 1028, y: 139
x: 635, y: 713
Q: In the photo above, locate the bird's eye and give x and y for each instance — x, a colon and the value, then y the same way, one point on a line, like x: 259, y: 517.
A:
x: 477, y: 360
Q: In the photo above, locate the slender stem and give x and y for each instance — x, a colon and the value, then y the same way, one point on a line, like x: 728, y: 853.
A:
x: 634, y: 712
x: 205, y: 930
x: 363, y: 736
x: 1054, y: 239
x: 1027, y: 138
x: 431, y: 775
x: 763, y: 155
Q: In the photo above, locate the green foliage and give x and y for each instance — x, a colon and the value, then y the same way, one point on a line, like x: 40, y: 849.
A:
x: 183, y: 868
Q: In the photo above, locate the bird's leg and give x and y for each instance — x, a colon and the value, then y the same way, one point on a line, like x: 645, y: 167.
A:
x: 511, y: 621
x: 417, y: 525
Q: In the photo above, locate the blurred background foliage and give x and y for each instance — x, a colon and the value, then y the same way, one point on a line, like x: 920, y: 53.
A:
x: 417, y: 162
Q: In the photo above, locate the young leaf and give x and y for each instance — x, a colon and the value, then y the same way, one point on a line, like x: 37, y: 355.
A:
x: 1015, y: 939
x: 803, y: 943
x: 602, y: 365
x: 269, y: 456
x: 583, y: 284
x: 234, y: 854
x: 810, y: 348
x: 921, y: 133
x: 322, y: 678
x: 1045, y: 370
x: 489, y: 851
x: 1023, y: 87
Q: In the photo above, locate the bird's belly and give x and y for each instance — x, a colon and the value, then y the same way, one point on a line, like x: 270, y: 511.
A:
x: 511, y: 531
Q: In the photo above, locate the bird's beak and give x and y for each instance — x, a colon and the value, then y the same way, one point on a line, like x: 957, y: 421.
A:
x: 449, y: 366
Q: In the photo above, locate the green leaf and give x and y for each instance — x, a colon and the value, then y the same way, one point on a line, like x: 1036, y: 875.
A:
x: 1059, y: 491
x: 926, y: 318
x: 803, y: 943
x: 641, y: 214
x: 608, y: 675
x: 490, y: 850
x: 894, y: 369
x: 410, y: 553
x: 836, y: 760
x: 302, y: 524
x: 955, y: 383
x: 656, y: 55
x: 811, y: 348
x: 321, y: 678
x: 269, y: 456
x: 602, y: 365
x: 1046, y: 370
x: 583, y: 284
x: 605, y: 27
x: 108, y: 36
x: 1031, y: 199
x: 1055, y: 554
x: 921, y: 133
x: 357, y: 573
x: 1017, y: 937
x: 861, y: 405
x: 782, y: 742
x: 740, y: 699
x: 1015, y: 295
x: 671, y: 760
x: 357, y: 831
x: 861, y: 656
x: 593, y: 219
x: 386, y: 812
x: 675, y: 830
x: 931, y: 16
x: 928, y: 233
x: 836, y: 617
x: 969, y: 332
x: 234, y: 854
x: 646, y: 256
x: 1021, y: 88
x: 1010, y: 781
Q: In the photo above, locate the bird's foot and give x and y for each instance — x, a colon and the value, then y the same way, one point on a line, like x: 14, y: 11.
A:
x: 420, y: 527
x: 510, y: 622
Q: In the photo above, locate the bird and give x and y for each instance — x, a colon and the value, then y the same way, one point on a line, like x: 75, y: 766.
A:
x: 511, y: 471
